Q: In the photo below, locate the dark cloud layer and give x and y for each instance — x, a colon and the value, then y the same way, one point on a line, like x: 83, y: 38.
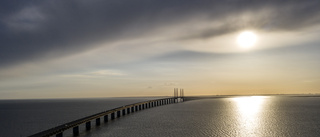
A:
x: 30, y: 30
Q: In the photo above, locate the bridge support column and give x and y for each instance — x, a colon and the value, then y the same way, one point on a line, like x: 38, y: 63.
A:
x: 128, y: 110
x: 143, y: 106
x: 76, y: 131
x: 112, y: 116
x: 88, y: 125
x: 98, y: 121
x: 140, y: 107
x: 59, y: 135
x: 105, y: 118
x: 118, y: 113
x: 132, y: 109
x: 123, y: 112
x: 136, y: 108
x: 157, y: 103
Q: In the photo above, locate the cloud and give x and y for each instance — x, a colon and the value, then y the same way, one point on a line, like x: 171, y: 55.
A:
x: 41, y: 30
x: 170, y: 84
x: 96, y: 74
x: 67, y: 37
x: 27, y: 19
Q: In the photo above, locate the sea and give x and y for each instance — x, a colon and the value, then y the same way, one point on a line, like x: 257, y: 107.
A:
x: 221, y: 116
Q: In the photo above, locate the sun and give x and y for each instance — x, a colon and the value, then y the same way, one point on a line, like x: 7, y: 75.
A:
x: 246, y: 39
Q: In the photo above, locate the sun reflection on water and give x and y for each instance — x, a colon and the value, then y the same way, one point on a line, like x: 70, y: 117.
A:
x: 249, y: 109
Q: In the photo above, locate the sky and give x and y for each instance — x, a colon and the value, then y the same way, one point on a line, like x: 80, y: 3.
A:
x: 123, y: 48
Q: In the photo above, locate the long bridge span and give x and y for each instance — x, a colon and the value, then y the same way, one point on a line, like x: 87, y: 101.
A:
x: 113, y: 113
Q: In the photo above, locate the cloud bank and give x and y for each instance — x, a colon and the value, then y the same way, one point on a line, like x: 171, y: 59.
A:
x: 148, y: 42
x: 34, y: 30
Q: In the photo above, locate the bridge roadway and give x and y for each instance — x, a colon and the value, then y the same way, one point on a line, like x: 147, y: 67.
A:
x: 58, y: 131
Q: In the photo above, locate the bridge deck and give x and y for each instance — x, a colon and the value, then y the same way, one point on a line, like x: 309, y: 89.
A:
x: 66, y: 126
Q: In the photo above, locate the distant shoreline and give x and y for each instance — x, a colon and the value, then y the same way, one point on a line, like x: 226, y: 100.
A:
x: 192, y: 96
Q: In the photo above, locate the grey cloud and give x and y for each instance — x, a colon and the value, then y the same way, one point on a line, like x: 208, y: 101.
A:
x: 33, y: 30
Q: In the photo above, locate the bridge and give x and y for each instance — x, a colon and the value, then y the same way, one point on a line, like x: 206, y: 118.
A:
x: 113, y: 113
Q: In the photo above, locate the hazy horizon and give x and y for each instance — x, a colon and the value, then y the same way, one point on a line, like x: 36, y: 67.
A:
x: 124, y: 48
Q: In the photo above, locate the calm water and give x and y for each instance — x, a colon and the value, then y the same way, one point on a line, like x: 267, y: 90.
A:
x: 26, y: 117
x: 236, y: 116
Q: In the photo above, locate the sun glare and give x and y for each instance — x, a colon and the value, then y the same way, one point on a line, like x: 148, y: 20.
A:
x: 249, y: 106
x: 249, y: 110
x: 246, y: 39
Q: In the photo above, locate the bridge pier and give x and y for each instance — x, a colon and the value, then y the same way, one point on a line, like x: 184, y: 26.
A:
x: 105, y: 118
x: 88, y: 125
x: 128, y: 110
x: 136, y: 108
x: 118, y: 113
x: 123, y: 112
x: 140, y: 107
x: 98, y: 121
x: 112, y: 116
x: 132, y: 109
x: 59, y: 135
x: 76, y: 131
